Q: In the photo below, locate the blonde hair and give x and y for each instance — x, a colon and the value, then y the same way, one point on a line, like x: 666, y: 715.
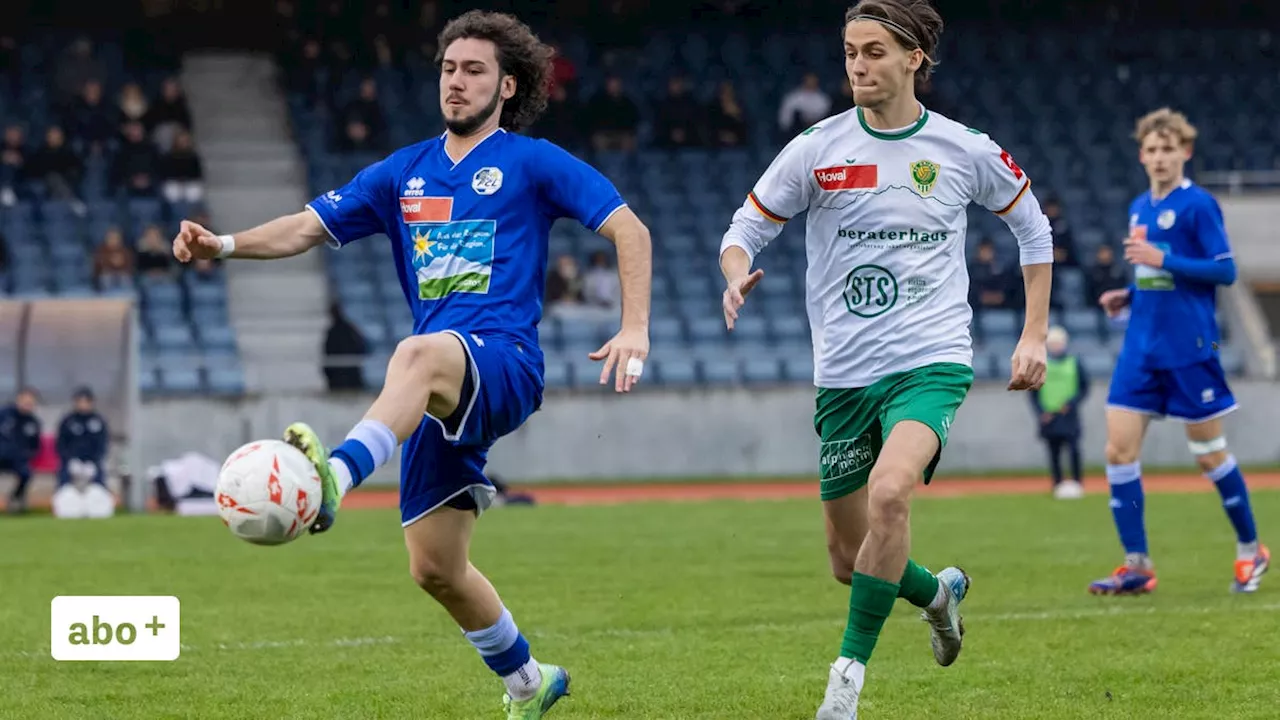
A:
x: 1166, y: 121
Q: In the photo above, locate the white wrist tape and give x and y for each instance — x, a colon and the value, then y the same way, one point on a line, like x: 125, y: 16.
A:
x: 228, y: 245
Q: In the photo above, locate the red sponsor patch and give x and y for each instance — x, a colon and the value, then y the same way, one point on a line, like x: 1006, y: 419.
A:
x: 847, y: 177
x: 1007, y: 159
x: 426, y: 209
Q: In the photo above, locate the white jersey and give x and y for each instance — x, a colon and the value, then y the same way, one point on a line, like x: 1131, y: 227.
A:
x: 887, y: 287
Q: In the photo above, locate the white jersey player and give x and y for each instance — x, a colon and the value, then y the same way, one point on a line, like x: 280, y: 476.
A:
x: 886, y: 186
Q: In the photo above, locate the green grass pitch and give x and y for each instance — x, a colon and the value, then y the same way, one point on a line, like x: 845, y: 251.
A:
x: 661, y: 612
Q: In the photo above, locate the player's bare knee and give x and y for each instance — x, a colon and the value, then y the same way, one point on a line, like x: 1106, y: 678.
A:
x: 889, y: 495
x: 423, y: 355
x: 1121, y: 453
x: 435, y: 574
x: 842, y: 559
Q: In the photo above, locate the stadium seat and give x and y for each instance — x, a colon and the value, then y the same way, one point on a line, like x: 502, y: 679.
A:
x: 761, y: 370
x: 721, y: 370
x: 179, y: 379
x: 677, y: 371
x: 558, y: 373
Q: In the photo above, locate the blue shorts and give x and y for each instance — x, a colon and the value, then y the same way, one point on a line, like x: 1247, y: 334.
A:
x: 1193, y: 393
x: 442, y: 463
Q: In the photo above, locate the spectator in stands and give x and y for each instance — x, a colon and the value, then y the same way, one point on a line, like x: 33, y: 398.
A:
x: 366, y: 110
x: 13, y: 163
x: 563, y: 72
x: 355, y: 138
x: 133, y: 104
x: 304, y: 72
x: 91, y: 124
x: 180, y: 170
x: 727, y: 121
x: 564, y: 283
x: 344, y: 349
x: 990, y: 280
x: 57, y: 166
x: 803, y: 106
x: 169, y: 114
x: 82, y: 440
x: 844, y: 100
x: 1057, y: 406
x: 4, y: 264
x: 204, y: 270
x: 562, y: 121
x: 1064, y: 241
x: 77, y: 67
x: 600, y: 285
x: 19, y: 444
x: 10, y: 63
x: 136, y: 163
x: 680, y: 119
x: 1105, y: 274
x: 613, y: 118
x: 155, y: 256
x: 112, y: 263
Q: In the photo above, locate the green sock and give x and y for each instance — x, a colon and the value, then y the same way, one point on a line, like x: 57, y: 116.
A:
x: 870, y: 602
x: 918, y: 586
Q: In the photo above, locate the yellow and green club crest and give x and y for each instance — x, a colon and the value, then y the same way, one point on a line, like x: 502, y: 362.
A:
x: 924, y: 173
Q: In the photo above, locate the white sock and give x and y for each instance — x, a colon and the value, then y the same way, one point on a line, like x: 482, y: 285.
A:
x: 852, y: 669
x: 939, y: 601
x: 345, y: 481
x: 1139, y: 561
x: 524, y: 682
x: 1247, y: 551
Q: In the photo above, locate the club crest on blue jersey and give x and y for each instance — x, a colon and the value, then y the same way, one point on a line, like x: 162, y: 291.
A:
x: 487, y: 181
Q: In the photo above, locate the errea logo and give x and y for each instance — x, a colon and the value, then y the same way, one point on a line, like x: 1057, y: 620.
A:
x: 413, y: 188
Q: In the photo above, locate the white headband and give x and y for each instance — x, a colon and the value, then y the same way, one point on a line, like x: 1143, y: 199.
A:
x: 895, y: 27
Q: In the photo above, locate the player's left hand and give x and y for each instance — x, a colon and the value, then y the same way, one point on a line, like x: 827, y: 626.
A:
x: 1029, y: 360
x: 1141, y: 252
x: 627, y: 351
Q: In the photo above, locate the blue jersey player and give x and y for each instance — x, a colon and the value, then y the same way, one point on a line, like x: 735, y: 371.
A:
x: 1169, y: 365
x: 468, y: 214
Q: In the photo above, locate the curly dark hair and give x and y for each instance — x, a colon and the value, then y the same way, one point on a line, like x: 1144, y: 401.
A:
x: 917, y: 17
x: 520, y: 54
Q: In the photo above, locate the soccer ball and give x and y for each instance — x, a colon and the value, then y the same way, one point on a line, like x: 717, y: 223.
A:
x: 268, y: 493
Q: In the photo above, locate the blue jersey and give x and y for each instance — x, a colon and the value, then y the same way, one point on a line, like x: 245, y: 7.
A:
x: 1173, y: 320
x: 470, y: 237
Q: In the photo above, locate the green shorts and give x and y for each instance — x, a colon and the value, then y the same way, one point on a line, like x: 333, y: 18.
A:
x: 854, y: 422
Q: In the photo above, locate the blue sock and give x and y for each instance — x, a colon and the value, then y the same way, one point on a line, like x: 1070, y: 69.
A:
x: 506, y: 652
x: 1127, y: 503
x: 368, y: 446
x: 1235, y: 498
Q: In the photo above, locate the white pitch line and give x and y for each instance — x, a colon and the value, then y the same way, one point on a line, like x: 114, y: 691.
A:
x: 971, y: 619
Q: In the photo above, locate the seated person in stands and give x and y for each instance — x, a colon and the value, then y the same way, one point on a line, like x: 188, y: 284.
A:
x: 19, y: 444
x: 82, y: 440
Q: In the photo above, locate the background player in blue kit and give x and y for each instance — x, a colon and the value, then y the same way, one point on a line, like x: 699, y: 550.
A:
x: 1169, y: 366
x: 469, y: 214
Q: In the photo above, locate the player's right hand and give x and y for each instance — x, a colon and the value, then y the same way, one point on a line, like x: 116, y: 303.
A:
x: 735, y: 296
x: 1113, y: 301
x: 195, y: 242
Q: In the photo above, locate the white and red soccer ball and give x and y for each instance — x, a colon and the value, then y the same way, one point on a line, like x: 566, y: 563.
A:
x: 268, y: 493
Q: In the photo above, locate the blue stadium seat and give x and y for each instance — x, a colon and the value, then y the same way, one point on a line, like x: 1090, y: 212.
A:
x: 173, y: 337
x: 148, y: 380
x: 676, y: 371
x: 226, y: 380
x: 707, y: 331
x: 761, y: 370
x: 997, y: 323
x: 558, y: 373
x: 217, y: 336
x: 176, y: 378
x: 721, y: 370
x: 1082, y: 323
